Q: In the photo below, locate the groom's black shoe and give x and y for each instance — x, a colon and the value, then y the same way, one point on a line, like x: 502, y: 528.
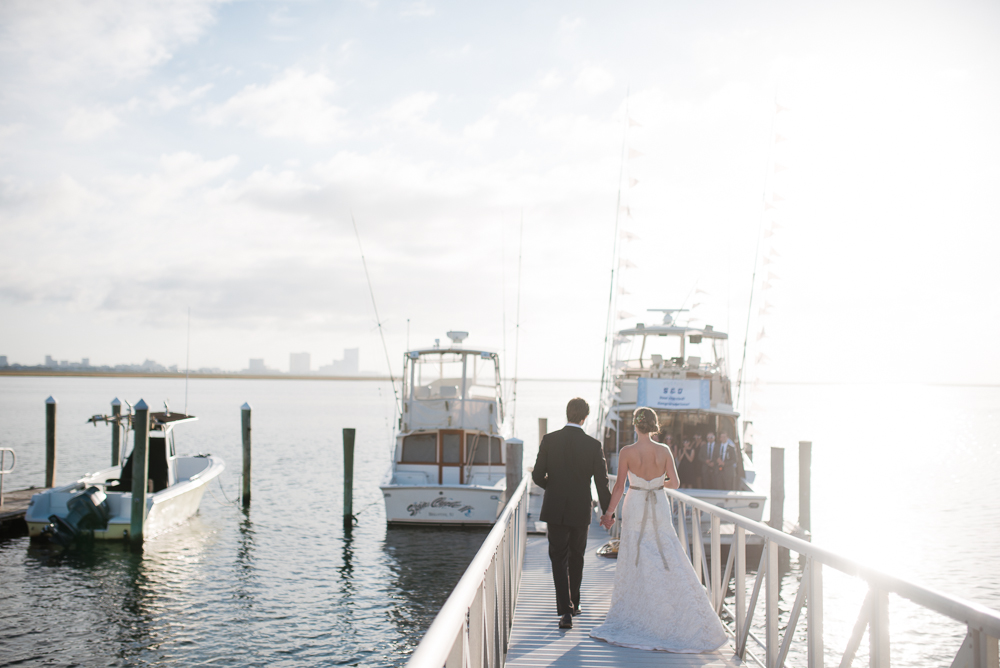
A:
x: 566, y: 622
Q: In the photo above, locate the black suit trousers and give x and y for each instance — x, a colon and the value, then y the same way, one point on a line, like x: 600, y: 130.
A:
x: 567, y: 545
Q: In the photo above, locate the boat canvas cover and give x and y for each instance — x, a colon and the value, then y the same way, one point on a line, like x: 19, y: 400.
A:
x: 674, y: 394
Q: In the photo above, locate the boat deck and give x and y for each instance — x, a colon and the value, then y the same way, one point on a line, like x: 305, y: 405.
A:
x: 536, y: 639
x: 15, y: 503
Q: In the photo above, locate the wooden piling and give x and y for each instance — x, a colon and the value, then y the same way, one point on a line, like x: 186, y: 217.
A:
x: 50, y: 442
x: 245, y: 411
x: 543, y: 428
x: 348, y: 477
x: 116, y: 432
x: 140, y: 474
x: 777, y: 488
x: 515, y: 462
x: 805, y: 485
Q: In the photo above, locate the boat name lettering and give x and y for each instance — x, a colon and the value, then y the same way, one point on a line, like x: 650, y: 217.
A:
x: 415, y: 508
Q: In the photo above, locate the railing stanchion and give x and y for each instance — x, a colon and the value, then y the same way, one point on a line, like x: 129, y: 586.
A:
x: 696, y: 543
x: 814, y: 614
x: 740, y: 545
x: 716, y: 563
x: 878, y: 630
x: 771, y: 602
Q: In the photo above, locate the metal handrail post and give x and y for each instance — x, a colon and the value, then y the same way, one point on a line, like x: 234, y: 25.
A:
x: 771, y: 593
x: 814, y: 614
x: 5, y: 471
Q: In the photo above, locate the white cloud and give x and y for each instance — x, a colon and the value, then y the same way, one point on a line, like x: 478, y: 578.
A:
x: 296, y: 105
x: 482, y: 129
x: 594, y: 80
x: 412, y: 108
x: 419, y: 8
x: 519, y: 103
x: 63, y: 40
x: 86, y: 124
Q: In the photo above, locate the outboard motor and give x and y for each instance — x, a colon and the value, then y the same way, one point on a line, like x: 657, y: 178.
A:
x: 88, y: 510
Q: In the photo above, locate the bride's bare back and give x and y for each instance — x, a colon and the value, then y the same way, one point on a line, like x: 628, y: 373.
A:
x: 647, y: 459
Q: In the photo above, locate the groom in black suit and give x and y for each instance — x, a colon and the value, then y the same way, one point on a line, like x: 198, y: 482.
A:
x: 567, y: 460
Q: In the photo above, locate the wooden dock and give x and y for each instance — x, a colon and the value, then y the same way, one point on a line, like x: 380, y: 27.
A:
x: 536, y: 639
x: 15, y: 503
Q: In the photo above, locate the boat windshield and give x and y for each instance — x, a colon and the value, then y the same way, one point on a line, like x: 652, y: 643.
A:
x: 440, y: 376
x: 659, y: 351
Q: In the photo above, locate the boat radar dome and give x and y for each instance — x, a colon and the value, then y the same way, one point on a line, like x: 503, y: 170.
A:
x: 458, y: 337
x: 668, y: 314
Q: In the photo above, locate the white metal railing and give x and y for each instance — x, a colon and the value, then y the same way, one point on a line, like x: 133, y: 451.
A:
x: 4, y: 471
x: 472, y: 630
x: 978, y: 650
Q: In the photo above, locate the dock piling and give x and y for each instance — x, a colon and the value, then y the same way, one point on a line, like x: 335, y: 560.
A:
x: 116, y: 432
x: 50, y: 442
x: 140, y: 474
x: 245, y: 411
x: 543, y: 428
x: 515, y: 461
x: 348, y: 477
x: 777, y: 520
x: 805, y: 485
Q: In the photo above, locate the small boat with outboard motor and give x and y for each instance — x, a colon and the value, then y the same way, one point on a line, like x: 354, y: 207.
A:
x: 449, y: 463
x: 99, y: 505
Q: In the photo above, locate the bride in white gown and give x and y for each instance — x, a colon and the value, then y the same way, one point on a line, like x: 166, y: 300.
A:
x: 657, y: 602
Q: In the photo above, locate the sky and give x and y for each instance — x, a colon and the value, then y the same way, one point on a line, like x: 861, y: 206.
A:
x: 835, y: 163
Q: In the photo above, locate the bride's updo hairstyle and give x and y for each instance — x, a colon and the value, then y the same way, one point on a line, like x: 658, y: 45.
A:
x: 644, y: 420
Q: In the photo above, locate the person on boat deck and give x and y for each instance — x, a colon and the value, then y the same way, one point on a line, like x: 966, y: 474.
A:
x: 688, y: 466
x: 729, y: 457
x: 711, y: 462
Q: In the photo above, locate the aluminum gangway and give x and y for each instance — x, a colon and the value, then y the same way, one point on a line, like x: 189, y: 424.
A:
x: 502, y: 612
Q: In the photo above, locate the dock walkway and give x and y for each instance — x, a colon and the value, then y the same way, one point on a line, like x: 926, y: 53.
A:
x: 536, y: 639
x: 15, y: 503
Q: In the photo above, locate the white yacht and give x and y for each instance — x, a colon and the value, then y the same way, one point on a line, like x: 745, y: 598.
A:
x: 100, y: 504
x: 682, y: 373
x: 448, y: 466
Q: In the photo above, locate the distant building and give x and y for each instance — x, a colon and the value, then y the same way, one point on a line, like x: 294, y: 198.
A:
x: 257, y: 366
x: 345, y: 367
x: 50, y: 362
x: 85, y: 362
x: 299, y: 363
x: 3, y: 360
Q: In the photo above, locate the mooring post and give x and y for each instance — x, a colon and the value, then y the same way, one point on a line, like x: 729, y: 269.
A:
x: 348, y: 477
x: 140, y: 474
x: 245, y: 419
x: 50, y: 442
x: 515, y: 462
x: 805, y: 484
x: 543, y: 428
x: 116, y: 432
x: 777, y: 488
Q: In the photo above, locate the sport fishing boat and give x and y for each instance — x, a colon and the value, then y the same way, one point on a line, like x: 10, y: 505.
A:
x: 682, y: 373
x: 100, y: 504
x: 448, y: 466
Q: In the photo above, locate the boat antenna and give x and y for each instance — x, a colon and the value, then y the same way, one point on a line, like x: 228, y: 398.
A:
x: 517, y: 326
x: 503, y: 294
x: 756, y: 255
x: 378, y: 321
x: 609, y: 324
x: 187, y: 363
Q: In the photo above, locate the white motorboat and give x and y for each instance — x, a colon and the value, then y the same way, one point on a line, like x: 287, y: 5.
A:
x: 682, y: 373
x: 100, y: 504
x: 448, y: 467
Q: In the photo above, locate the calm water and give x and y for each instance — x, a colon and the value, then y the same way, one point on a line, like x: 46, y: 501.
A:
x: 902, y: 480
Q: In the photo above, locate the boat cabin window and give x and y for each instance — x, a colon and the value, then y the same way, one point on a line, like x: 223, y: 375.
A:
x: 420, y: 448
x: 451, y: 448
x: 483, y: 449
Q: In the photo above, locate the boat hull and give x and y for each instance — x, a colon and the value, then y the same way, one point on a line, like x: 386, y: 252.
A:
x: 164, y: 510
x: 457, y: 505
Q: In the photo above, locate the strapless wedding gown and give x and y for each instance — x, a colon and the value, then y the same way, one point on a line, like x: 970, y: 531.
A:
x: 657, y: 602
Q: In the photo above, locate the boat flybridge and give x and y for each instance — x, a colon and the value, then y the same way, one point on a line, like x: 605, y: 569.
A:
x: 99, y: 505
x: 682, y: 373
x: 448, y: 466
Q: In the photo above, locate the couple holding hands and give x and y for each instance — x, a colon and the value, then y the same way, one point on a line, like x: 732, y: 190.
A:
x: 657, y: 602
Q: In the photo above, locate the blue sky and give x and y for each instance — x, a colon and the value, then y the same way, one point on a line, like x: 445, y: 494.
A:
x: 161, y: 156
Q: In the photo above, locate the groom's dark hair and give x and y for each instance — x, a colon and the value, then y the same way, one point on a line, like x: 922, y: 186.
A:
x: 577, y: 410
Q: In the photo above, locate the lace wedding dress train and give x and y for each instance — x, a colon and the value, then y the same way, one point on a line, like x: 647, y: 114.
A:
x: 657, y: 602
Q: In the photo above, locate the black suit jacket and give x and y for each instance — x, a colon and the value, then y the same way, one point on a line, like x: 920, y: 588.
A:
x: 567, y: 460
